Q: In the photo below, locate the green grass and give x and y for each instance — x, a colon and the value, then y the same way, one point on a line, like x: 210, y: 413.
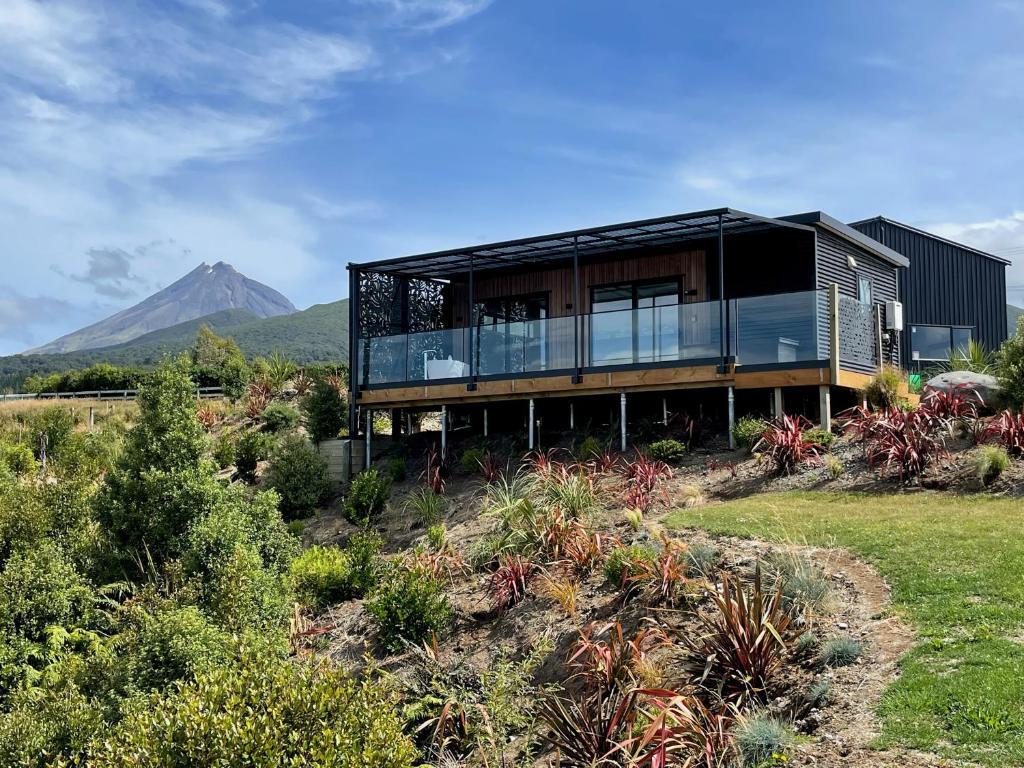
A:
x: 956, y: 568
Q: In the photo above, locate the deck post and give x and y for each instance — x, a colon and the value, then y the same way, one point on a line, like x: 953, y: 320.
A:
x: 777, y: 409
x: 353, y: 353
x: 622, y: 421
x: 369, y: 437
x: 664, y: 411
x: 531, y: 426
x: 833, y: 311
x: 572, y: 416
x: 485, y: 421
x: 408, y: 423
x: 576, y: 377
x: 825, y: 406
x: 732, y: 416
x: 444, y: 431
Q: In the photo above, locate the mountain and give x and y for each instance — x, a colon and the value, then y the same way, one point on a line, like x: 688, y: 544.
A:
x: 316, y: 334
x: 203, y: 291
x: 1012, y: 315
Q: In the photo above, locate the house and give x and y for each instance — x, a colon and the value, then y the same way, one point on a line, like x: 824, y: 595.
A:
x: 711, y: 313
x: 951, y: 293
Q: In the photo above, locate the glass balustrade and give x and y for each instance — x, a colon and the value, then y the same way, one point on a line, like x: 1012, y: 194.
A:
x: 781, y: 328
x: 658, y: 334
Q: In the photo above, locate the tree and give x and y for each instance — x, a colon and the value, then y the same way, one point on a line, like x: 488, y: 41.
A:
x: 219, y: 360
x: 325, y: 410
x: 1010, y: 368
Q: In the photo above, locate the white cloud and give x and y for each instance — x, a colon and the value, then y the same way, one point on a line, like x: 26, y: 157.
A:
x: 429, y: 15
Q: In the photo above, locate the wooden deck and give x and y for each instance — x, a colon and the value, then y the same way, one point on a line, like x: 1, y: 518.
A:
x: 611, y: 382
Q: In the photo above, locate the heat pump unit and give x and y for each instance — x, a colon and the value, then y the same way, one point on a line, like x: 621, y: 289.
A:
x: 893, y: 316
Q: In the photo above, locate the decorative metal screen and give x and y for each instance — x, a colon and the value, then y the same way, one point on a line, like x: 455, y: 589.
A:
x: 857, y: 333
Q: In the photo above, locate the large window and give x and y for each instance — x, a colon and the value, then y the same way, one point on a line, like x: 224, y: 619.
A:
x: 934, y: 342
x: 512, y: 334
x: 634, y: 323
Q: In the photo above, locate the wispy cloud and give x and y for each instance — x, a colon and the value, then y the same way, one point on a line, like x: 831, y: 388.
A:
x: 109, y: 273
x: 429, y: 15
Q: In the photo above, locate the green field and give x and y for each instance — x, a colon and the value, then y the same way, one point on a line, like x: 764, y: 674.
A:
x: 956, y: 568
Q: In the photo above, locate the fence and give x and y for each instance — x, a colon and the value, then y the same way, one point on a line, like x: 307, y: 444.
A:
x: 99, y: 394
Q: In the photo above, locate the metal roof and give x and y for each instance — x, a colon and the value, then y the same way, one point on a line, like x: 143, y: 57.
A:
x: 533, y: 251
x: 850, y: 234
x: 925, y: 233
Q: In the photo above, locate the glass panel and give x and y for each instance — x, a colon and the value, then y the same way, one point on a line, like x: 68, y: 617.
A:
x: 531, y: 345
x: 612, y: 298
x: 382, y: 359
x: 438, y: 355
x: 929, y: 342
x: 961, y: 340
x: 864, y: 290
x: 655, y: 334
x: 775, y: 329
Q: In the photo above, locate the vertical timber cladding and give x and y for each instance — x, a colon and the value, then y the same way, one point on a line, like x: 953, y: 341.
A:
x: 834, y: 267
x: 556, y: 283
x: 946, y: 284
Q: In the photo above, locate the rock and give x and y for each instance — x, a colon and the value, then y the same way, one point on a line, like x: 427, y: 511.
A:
x: 842, y: 625
x: 986, y: 386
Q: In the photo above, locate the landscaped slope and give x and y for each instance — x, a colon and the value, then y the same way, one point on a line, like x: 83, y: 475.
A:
x: 954, y: 564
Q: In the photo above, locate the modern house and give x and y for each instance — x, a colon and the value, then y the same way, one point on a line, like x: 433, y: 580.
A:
x: 707, y: 313
x: 951, y: 293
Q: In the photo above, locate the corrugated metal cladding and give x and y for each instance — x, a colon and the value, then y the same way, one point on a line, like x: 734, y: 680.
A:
x: 833, y: 267
x: 946, y: 284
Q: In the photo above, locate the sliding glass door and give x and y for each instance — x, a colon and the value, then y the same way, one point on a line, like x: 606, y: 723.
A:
x: 511, y: 334
x: 634, y: 323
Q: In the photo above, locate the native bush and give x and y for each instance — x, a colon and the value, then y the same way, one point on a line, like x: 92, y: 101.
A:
x: 18, y: 458
x: 367, y: 497
x: 223, y: 450
x: 252, y: 447
x: 325, y: 411
x: 365, y: 562
x: 321, y: 576
x: 589, y: 448
x: 408, y: 606
x: 298, y: 473
x: 470, y: 459
x: 427, y: 505
x: 748, y: 430
x: 437, y: 537
x: 264, y: 711
x: 905, y: 441
x: 396, y: 469
x: 822, y: 437
x: 666, y: 450
x: 1010, y: 369
x: 1007, y: 429
x: 883, y: 391
x: 55, y: 423
x: 279, y: 417
x: 785, y: 445
x: 990, y: 462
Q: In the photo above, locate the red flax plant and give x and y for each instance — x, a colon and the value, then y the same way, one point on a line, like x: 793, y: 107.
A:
x: 490, y: 468
x: 508, y: 584
x: 741, y: 642
x: 905, y: 441
x: 784, y: 446
x: 665, y: 579
x: 957, y: 406
x: 257, y: 397
x: 603, y: 658
x: 644, y: 476
x: 433, y: 474
x: 206, y: 416
x: 1007, y: 429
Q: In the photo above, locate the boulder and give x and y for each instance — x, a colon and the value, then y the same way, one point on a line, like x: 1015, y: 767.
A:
x: 986, y: 386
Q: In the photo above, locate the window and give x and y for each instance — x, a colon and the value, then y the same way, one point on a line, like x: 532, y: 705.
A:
x: 512, y: 336
x: 934, y: 342
x: 634, y: 323
x: 864, y: 290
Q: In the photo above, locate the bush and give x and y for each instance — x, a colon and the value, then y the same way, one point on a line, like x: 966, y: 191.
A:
x: 367, y: 497
x: 363, y: 550
x: 666, y: 450
x: 321, y: 576
x: 785, y: 445
x: 18, y: 458
x: 822, y: 437
x: 471, y: 459
x: 252, y: 447
x: 1010, y: 368
x: 396, y: 469
x: 264, y: 712
x: 299, y: 475
x: 56, y: 423
x: 45, y: 725
x: 223, y: 450
x: 408, y: 606
x: 748, y: 430
x: 989, y: 463
x: 279, y: 417
x: 589, y: 448
x: 437, y: 536
x: 761, y: 739
x: 839, y: 651
x: 626, y: 562
x: 883, y: 391
x: 325, y: 411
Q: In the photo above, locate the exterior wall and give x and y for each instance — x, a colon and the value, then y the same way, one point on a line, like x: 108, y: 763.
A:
x: 946, y: 284
x: 833, y: 267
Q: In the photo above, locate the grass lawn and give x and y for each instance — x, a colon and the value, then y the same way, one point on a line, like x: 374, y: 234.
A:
x: 956, y: 567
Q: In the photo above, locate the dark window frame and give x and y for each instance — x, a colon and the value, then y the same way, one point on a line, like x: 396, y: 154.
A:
x: 950, y: 328
x: 634, y: 285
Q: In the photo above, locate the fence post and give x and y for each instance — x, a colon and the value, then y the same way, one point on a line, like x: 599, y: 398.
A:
x: 833, y: 343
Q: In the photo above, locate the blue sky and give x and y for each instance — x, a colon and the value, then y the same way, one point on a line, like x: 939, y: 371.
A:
x: 140, y: 138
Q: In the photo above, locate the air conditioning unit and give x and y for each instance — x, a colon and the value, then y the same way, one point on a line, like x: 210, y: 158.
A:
x: 893, y: 316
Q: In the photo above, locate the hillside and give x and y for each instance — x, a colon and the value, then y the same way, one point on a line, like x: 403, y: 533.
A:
x: 315, y: 334
x: 203, y: 291
x: 1012, y: 315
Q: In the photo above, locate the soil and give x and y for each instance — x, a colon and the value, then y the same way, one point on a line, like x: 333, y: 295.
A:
x: 839, y: 734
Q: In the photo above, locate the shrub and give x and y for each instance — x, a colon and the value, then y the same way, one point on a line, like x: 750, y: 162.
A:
x: 785, y: 445
x: 437, y: 536
x: 989, y: 463
x: 760, y: 739
x: 427, y: 505
x: 666, y: 450
x: 883, y: 391
x: 18, y: 458
x: 741, y: 641
x: 325, y: 411
x: 624, y: 563
x: 834, y: 467
x: 223, y: 450
x: 363, y: 550
x: 320, y: 576
x: 56, y: 423
x: 408, y: 606
x: 589, y: 448
x: 644, y: 478
x: 470, y: 459
x: 907, y: 441
x: 822, y: 437
x: 252, y: 447
x: 49, y: 726
x: 367, y: 497
x: 298, y: 473
x: 279, y: 417
x: 396, y: 469
x: 1007, y: 429
x: 172, y: 643
x: 748, y: 430
x: 839, y: 651
x: 508, y: 584
x: 1010, y: 368
x: 304, y: 713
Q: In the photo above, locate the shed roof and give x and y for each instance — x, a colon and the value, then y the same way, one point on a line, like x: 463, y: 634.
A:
x: 927, y: 234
